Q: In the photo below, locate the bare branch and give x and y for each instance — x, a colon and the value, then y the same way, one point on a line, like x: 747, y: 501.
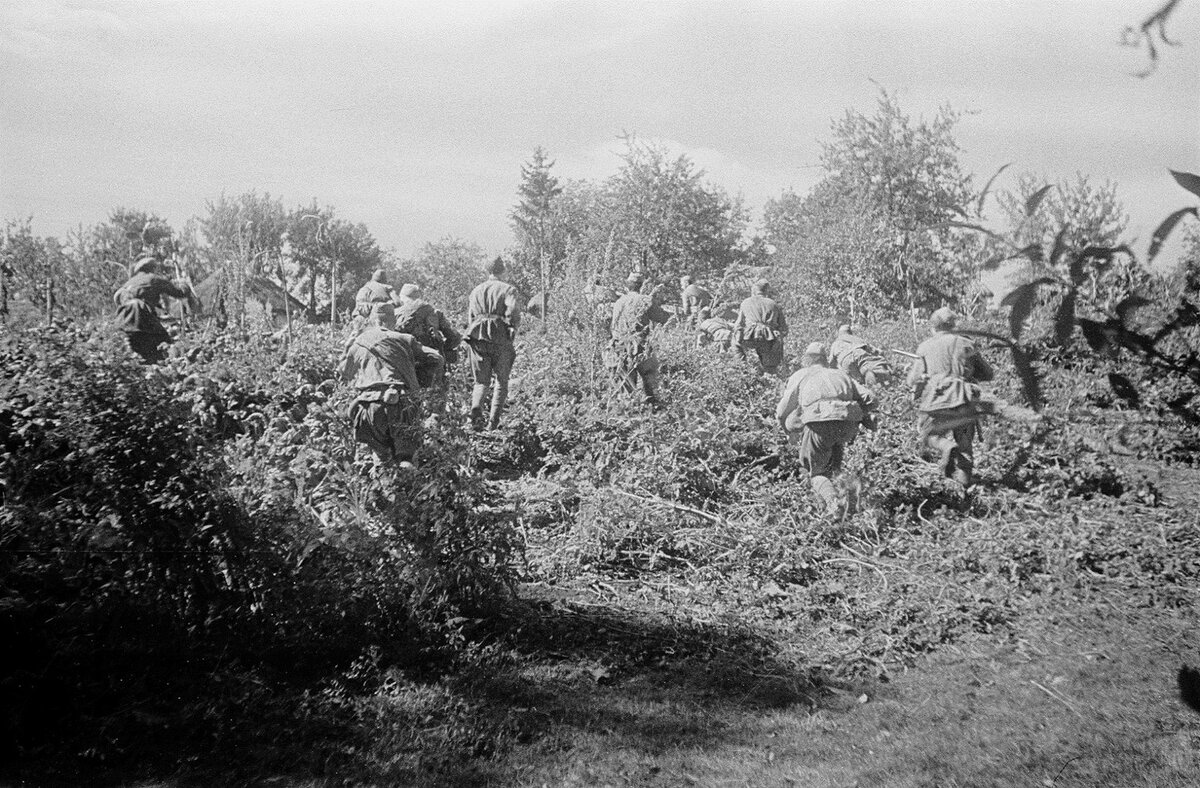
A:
x: 1154, y: 26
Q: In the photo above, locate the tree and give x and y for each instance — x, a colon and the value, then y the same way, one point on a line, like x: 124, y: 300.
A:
x: 323, y: 249
x: 876, y: 236
x: 663, y: 217
x: 541, y: 243
x: 447, y: 269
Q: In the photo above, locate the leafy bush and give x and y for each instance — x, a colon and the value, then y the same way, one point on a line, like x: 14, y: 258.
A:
x: 213, y: 504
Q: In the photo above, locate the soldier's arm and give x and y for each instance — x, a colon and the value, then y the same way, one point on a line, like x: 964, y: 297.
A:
x: 427, y: 360
x: 173, y: 289
x: 865, y: 396
x: 916, y: 372
x: 512, y: 308
x: 787, y: 403
x: 453, y: 338
x: 739, y: 325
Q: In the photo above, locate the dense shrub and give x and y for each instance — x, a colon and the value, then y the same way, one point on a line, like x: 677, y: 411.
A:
x: 213, y: 505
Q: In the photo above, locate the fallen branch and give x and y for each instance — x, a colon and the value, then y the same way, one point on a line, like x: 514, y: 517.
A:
x: 712, y: 518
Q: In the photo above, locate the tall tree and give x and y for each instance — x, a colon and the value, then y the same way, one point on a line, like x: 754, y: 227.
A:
x: 898, y: 182
x: 541, y: 245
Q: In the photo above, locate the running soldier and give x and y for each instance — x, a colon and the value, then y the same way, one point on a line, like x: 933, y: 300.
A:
x: 822, y: 409
x: 376, y: 291
x: 949, y: 402
x: 631, y: 355
x: 858, y: 358
x: 761, y: 326
x: 138, y: 302
x: 493, y: 316
x: 692, y: 299
x: 714, y: 330
x: 387, y: 368
x: 427, y: 324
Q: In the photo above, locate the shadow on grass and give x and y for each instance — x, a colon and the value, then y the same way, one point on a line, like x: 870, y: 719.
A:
x: 541, y: 671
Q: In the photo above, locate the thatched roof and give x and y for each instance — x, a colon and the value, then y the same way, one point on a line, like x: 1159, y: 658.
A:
x: 258, y: 288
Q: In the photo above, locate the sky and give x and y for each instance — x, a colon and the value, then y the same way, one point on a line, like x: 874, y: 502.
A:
x: 415, y: 118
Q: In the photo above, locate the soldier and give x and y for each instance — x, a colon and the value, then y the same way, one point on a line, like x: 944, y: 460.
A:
x: 387, y: 368
x: 600, y: 299
x: 761, y: 326
x: 714, y: 330
x: 823, y: 407
x: 950, y: 403
x: 138, y: 302
x: 376, y: 291
x: 858, y: 359
x: 632, y: 357
x: 427, y: 324
x: 493, y: 315
x: 692, y: 299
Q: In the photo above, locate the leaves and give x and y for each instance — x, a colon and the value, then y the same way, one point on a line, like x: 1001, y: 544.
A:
x: 1121, y: 386
x: 1031, y: 385
x: 1060, y: 244
x: 1129, y: 304
x: 987, y: 187
x: 1164, y: 230
x: 1064, y: 318
x: 1022, y: 300
x: 1187, y: 180
x: 1097, y: 334
x: 1034, y: 200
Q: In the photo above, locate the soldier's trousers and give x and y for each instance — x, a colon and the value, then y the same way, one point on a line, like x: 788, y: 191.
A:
x: 491, y: 366
x: 951, y: 434
x: 390, y: 431
x: 769, y: 352
x: 822, y: 448
x: 150, y: 347
x: 634, y: 363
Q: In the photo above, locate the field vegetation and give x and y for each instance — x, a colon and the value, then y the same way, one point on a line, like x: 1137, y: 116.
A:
x: 199, y: 585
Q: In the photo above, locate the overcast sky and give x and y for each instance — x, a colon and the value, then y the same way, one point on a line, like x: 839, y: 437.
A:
x: 415, y: 118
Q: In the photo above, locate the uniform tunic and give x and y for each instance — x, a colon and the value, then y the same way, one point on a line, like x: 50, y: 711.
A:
x: 825, y: 406
x: 761, y: 326
x: 430, y: 327
x: 694, y: 298
x: 493, y: 315
x: 858, y: 359
x: 950, y: 403
x: 633, y: 315
x: 385, y: 367
x: 138, y: 302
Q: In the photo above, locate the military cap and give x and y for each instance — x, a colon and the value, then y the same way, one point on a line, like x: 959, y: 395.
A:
x: 817, y: 349
x: 495, y: 266
x: 634, y: 280
x: 379, y: 276
x: 761, y: 286
x: 410, y: 290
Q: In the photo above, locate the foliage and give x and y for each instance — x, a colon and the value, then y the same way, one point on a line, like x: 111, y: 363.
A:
x: 877, y: 234
x: 447, y: 270
x: 214, y: 503
x: 541, y: 242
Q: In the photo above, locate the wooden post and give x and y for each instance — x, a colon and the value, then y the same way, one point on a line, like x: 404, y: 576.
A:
x: 333, y: 293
